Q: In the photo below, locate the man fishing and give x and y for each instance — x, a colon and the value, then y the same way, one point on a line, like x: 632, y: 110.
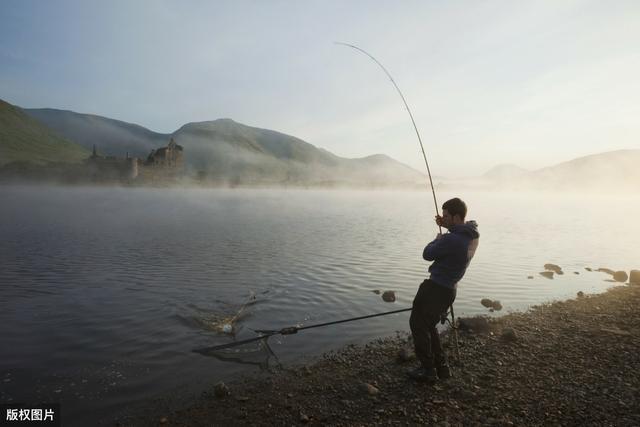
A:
x: 451, y: 254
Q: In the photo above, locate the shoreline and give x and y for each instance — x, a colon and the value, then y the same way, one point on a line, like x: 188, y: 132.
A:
x: 570, y: 362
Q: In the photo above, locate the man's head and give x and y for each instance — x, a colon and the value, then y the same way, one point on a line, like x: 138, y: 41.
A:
x: 453, y: 212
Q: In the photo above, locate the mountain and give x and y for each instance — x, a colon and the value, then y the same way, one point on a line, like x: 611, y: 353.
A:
x: 111, y: 137
x: 505, y: 171
x: 24, y: 139
x: 613, y: 171
x: 224, y: 150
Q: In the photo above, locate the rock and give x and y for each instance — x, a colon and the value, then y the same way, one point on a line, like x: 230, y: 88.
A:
x: 634, y: 277
x: 580, y: 294
x: 547, y: 274
x: 376, y: 291
x: 486, y: 302
x: 606, y: 270
x: 553, y: 267
x: 576, y: 272
x: 620, y: 276
x: 220, y: 390
x: 389, y: 296
x: 529, y: 277
x: 368, y: 389
x: 509, y: 334
x: 588, y: 269
x: 304, y: 418
x: 164, y: 420
x: 496, y: 305
x: 405, y: 355
x: 478, y: 324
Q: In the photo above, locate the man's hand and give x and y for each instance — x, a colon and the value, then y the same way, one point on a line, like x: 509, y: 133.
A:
x: 439, y: 220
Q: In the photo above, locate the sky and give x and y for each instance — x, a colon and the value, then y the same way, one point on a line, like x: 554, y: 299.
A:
x: 530, y: 83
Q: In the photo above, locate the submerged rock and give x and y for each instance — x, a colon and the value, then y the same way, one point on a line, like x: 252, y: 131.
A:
x: 389, y: 296
x: 580, y: 294
x: 606, y: 270
x: 553, y: 267
x: 620, y: 276
x: 547, y: 274
x: 529, y: 277
x: 496, y: 305
x: 376, y: 291
x: 486, y: 302
x: 634, y: 277
x: 588, y: 269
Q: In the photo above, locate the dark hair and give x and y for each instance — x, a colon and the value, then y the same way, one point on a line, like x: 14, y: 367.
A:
x: 455, y: 207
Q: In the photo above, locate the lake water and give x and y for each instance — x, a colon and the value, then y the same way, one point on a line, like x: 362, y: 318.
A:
x: 105, y: 291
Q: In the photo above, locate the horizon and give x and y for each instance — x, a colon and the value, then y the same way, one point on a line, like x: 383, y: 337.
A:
x: 532, y: 85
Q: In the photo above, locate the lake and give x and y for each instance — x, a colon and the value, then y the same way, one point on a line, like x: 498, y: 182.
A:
x: 106, y: 291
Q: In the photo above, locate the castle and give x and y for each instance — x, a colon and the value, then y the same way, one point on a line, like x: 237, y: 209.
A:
x: 162, y: 164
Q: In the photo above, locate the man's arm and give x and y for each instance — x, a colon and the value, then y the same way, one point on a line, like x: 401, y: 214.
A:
x: 437, y: 248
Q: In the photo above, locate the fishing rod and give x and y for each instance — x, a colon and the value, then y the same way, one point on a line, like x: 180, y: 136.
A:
x: 264, y: 334
x: 406, y: 105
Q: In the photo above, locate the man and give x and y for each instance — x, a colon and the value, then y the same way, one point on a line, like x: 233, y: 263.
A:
x: 451, y: 254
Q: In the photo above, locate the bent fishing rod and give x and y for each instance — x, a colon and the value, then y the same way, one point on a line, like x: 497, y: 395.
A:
x: 406, y: 105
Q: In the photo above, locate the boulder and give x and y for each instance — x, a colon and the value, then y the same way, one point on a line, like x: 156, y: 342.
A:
x: 368, y: 389
x: 220, y: 390
x: 388, y: 296
x: 405, y: 355
x: 478, y: 324
x: 509, y: 334
x: 553, y: 267
x: 486, y: 302
x: 634, y: 277
x: 547, y: 274
x: 620, y: 276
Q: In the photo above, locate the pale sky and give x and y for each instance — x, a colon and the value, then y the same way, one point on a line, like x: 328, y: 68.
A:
x: 489, y: 82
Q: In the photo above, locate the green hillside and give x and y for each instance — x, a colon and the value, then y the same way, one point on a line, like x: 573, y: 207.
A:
x: 24, y: 139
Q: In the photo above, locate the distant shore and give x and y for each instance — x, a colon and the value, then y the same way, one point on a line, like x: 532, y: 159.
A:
x: 574, y: 362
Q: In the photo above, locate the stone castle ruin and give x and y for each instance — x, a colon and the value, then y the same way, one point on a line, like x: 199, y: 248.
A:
x: 162, y: 165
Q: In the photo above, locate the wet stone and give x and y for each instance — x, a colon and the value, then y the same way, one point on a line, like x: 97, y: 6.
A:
x: 389, y: 296
x: 620, y: 276
x: 509, y: 335
x: 220, y: 390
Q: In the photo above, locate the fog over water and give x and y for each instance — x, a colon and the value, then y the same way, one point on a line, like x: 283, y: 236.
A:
x: 105, y: 291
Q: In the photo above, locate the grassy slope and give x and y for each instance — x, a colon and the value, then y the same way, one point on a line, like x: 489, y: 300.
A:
x: 23, y: 138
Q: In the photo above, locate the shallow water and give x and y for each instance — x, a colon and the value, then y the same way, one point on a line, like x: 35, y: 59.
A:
x: 105, y: 291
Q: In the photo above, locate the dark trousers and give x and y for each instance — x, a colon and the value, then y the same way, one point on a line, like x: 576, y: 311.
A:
x: 431, y: 301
